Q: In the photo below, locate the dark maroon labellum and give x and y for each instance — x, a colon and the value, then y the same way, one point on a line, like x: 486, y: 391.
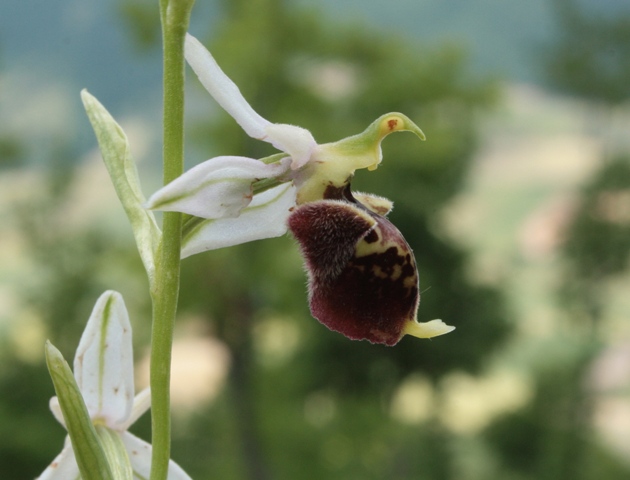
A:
x: 363, y: 279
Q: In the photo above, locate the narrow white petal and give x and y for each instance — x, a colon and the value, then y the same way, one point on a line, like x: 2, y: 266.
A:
x: 266, y: 217
x: 296, y: 141
x: 103, y: 365
x: 224, y: 90
x: 141, y: 403
x: 55, y: 408
x: 219, y: 187
x: 63, y: 467
x: 139, y: 453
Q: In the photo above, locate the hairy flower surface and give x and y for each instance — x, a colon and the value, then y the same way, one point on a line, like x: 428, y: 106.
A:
x: 103, y: 369
x: 363, y: 280
x: 362, y: 273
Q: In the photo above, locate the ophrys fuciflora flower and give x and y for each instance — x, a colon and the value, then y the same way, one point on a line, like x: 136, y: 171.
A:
x: 363, y: 280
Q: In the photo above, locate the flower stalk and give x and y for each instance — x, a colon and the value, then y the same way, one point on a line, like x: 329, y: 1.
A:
x: 175, y: 15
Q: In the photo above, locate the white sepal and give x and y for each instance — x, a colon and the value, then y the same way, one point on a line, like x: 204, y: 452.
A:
x: 219, y: 187
x: 140, y: 457
x: 265, y: 217
x: 296, y: 141
x: 141, y: 403
x: 224, y: 90
x: 63, y: 467
x: 103, y: 365
x: 55, y: 408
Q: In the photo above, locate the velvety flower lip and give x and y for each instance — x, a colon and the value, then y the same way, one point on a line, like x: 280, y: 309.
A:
x: 363, y: 278
x: 103, y: 369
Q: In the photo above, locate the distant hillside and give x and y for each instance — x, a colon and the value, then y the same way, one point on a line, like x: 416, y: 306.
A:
x: 504, y: 37
x: 501, y: 36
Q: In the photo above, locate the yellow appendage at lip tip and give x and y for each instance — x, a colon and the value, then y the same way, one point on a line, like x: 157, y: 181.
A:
x: 430, y: 329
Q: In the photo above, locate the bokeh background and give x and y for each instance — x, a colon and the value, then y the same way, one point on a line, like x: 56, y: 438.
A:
x: 517, y: 206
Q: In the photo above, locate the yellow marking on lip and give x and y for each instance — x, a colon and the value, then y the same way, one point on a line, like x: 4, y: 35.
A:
x: 364, y: 248
x: 396, y: 273
x: 410, y: 281
x: 377, y: 271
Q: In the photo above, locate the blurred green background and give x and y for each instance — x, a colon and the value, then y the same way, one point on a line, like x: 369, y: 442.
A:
x: 517, y: 207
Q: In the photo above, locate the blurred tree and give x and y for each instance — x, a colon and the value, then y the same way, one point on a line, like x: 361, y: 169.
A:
x: 12, y: 152
x: 597, y: 246
x: 591, y: 58
x: 553, y: 437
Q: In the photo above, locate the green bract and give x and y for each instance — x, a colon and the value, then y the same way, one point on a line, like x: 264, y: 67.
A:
x: 116, y: 154
x: 88, y: 451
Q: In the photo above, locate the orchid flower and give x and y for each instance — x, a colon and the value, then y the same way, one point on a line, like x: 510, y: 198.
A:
x: 362, y: 274
x: 103, y: 369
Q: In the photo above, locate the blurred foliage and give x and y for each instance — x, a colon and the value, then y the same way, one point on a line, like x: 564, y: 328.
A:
x: 597, y: 246
x: 553, y: 436
x: 12, y: 152
x: 592, y: 57
x: 142, y: 20
x: 592, y: 60
x: 321, y: 407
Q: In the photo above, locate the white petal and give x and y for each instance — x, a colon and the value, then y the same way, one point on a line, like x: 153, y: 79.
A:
x: 140, y: 456
x: 219, y: 187
x: 141, y: 403
x: 266, y: 217
x: 55, y: 408
x: 224, y: 90
x: 63, y: 467
x: 296, y: 141
x: 103, y: 365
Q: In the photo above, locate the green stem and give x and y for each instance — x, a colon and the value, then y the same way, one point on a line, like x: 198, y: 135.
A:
x: 175, y: 15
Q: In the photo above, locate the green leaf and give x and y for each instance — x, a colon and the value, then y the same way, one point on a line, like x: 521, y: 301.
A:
x: 122, y: 170
x: 87, y: 448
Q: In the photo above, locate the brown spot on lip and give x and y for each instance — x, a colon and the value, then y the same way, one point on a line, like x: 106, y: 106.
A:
x: 371, y: 237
